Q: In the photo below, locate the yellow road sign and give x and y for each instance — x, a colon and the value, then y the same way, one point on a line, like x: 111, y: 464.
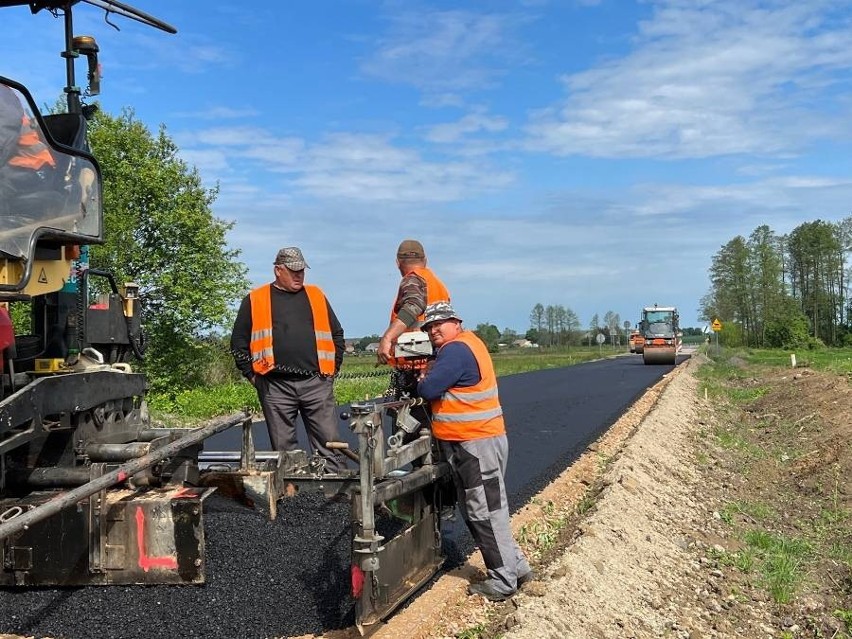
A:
x: 716, y: 325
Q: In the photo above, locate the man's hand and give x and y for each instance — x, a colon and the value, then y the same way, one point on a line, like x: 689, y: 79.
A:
x: 384, y: 353
x: 425, y: 370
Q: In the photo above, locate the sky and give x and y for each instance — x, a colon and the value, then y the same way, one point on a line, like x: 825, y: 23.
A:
x: 593, y: 154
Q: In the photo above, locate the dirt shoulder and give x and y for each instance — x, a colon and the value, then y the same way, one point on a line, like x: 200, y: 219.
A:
x: 715, y: 508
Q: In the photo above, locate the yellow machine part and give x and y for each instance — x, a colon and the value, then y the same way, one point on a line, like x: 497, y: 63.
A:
x: 50, y: 365
x: 47, y: 276
x: 662, y: 354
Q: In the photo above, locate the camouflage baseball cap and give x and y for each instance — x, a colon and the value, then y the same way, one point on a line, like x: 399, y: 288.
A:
x: 410, y: 249
x: 438, y: 312
x: 292, y: 258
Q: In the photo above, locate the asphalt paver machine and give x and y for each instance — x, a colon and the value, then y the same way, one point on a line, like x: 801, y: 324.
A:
x: 91, y: 493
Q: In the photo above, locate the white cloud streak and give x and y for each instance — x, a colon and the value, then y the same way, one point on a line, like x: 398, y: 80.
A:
x: 364, y: 167
x: 444, y: 52
x: 706, y: 79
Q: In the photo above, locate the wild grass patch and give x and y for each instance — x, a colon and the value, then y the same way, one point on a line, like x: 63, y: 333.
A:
x: 780, y: 561
x: 755, y: 511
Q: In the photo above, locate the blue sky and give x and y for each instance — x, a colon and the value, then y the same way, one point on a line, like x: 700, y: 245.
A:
x: 593, y: 154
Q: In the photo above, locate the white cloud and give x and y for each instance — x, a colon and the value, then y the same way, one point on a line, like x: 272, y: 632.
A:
x: 364, y: 167
x: 444, y: 51
x: 708, y: 79
x: 471, y: 123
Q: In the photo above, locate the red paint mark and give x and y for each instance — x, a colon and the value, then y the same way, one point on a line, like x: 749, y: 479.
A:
x: 357, y: 581
x: 122, y: 476
x: 184, y: 493
x: 146, y: 562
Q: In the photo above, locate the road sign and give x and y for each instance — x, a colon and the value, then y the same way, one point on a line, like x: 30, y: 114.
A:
x: 716, y: 325
x: 601, y: 338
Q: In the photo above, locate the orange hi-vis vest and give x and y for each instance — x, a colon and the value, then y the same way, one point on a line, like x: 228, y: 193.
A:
x: 470, y: 412
x: 435, y: 292
x: 32, y: 153
x: 260, y: 345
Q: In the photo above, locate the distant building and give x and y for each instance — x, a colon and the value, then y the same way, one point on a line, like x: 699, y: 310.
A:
x: 523, y: 343
x: 373, y: 347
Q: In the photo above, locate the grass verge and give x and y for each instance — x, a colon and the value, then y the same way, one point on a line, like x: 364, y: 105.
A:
x: 782, y: 439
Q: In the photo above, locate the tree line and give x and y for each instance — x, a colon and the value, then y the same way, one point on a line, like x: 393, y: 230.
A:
x: 784, y: 291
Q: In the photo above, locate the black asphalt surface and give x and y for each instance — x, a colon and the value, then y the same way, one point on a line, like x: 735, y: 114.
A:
x: 291, y: 576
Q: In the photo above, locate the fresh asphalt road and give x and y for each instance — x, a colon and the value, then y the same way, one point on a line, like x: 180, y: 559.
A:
x: 551, y: 417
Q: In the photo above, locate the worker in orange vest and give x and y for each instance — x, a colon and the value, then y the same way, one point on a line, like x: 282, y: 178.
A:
x: 289, y: 344
x: 418, y: 288
x: 467, y: 421
x: 25, y: 158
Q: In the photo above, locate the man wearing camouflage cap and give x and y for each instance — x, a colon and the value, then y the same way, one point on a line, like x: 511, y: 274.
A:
x: 288, y: 343
x: 418, y: 288
x: 467, y: 421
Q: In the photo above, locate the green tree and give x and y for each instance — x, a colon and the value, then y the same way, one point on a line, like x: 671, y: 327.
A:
x: 816, y: 267
x: 786, y: 325
x: 364, y: 342
x: 732, y: 290
x: 552, y: 320
x: 537, y: 320
x: 571, y: 324
x: 767, y: 277
x: 594, y: 324
x: 508, y: 336
x: 489, y: 334
x: 162, y: 235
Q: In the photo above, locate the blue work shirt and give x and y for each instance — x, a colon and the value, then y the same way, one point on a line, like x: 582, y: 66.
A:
x: 454, y: 366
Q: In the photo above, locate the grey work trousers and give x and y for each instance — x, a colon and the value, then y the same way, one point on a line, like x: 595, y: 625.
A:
x: 479, y: 468
x: 282, y: 400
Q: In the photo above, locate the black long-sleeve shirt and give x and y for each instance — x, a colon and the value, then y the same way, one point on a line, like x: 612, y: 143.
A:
x: 293, y: 337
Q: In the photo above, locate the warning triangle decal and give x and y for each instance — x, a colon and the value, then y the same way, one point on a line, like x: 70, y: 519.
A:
x: 42, y: 277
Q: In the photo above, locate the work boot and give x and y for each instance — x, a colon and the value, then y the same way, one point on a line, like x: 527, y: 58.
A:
x: 489, y: 592
x: 526, y: 578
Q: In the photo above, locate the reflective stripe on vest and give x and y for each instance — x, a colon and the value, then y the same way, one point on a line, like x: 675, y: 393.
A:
x: 470, y: 412
x: 32, y: 153
x: 322, y: 329
x: 260, y: 343
x: 435, y: 292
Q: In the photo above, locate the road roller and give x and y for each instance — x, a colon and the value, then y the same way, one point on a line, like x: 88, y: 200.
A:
x: 661, y: 332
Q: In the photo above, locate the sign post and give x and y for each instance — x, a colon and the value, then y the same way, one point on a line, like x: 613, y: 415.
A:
x: 600, y: 339
x: 716, y: 326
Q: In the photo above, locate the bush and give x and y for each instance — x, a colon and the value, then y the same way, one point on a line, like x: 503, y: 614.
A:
x: 787, y: 327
